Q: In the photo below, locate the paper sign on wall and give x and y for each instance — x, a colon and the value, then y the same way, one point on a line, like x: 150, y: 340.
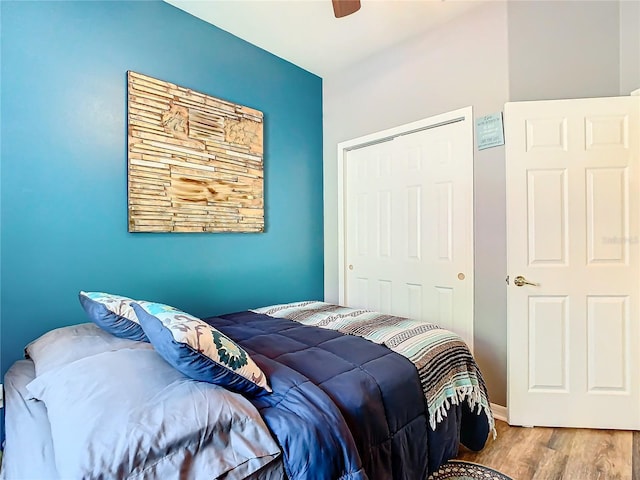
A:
x: 489, y: 131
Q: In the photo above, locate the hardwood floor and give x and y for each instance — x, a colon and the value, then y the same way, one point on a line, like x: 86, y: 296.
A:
x: 560, y: 453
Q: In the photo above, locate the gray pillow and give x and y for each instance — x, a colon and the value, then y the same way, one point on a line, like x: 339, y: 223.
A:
x: 68, y: 344
x: 129, y: 414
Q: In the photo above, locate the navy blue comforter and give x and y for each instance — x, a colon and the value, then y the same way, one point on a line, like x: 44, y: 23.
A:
x: 346, y: 408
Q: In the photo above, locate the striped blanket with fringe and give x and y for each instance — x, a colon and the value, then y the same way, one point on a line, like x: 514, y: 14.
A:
x: 448, y: 372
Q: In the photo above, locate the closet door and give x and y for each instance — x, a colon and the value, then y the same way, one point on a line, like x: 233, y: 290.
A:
x: 408, y: 224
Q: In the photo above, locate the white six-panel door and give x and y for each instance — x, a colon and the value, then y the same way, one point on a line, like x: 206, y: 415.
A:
x: 408, y: 226
x: 573, y: 195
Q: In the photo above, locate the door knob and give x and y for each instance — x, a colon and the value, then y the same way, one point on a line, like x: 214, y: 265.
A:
x: 521, y: 281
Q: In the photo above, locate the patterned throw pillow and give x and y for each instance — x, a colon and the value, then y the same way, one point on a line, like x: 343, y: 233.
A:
x: 113, y: 313
x: 198, y: 350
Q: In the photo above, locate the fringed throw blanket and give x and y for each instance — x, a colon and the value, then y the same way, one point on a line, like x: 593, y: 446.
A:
x: 448, y: 371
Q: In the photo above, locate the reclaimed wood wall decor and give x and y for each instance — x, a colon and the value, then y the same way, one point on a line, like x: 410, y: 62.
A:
x: 195, y: 162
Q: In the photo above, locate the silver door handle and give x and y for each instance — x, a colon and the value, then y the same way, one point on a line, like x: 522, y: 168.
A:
x: 521, y: 281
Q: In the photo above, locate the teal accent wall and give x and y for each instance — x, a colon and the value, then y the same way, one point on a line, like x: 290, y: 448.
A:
x: 63, y: 186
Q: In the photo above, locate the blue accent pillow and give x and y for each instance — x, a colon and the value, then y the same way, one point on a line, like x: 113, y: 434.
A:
x: 113, y: 313
x: 198, y: 350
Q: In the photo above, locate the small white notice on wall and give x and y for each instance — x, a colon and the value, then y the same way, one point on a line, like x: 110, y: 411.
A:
x: 489, y: 132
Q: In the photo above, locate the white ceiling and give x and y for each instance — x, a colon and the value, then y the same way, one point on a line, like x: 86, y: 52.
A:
x: 306, y: 33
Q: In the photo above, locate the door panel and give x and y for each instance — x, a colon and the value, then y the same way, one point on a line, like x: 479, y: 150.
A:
x: 546, y: 204
x: 414, y: 222
x: 607, y: 219
x: 384, y: 222
x: 573, y: 204
x: 548, y: 345
x: 607, y: 350
x: 444, y: 219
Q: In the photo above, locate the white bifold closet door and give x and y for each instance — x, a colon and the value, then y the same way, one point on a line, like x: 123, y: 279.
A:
x: 408, y: 223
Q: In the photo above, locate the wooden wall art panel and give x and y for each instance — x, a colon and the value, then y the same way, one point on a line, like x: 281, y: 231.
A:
x: 195, y: 162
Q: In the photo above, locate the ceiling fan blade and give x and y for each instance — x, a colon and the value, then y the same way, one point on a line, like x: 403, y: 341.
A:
x: 342, y: 8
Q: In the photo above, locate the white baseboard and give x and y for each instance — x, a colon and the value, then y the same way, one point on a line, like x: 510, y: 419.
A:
x: 499, y: 412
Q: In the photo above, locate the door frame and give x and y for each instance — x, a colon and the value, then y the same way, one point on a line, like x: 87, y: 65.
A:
x: 464, y: 114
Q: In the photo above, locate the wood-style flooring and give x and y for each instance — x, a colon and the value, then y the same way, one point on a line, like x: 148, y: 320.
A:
x: 560, y: 453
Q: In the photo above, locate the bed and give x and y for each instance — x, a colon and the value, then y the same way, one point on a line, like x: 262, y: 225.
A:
x: 346, y: 394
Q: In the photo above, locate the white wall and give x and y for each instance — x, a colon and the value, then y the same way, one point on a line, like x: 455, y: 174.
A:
x: 629, y: 46
x: 563, y: 49
x: 459, y: 64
